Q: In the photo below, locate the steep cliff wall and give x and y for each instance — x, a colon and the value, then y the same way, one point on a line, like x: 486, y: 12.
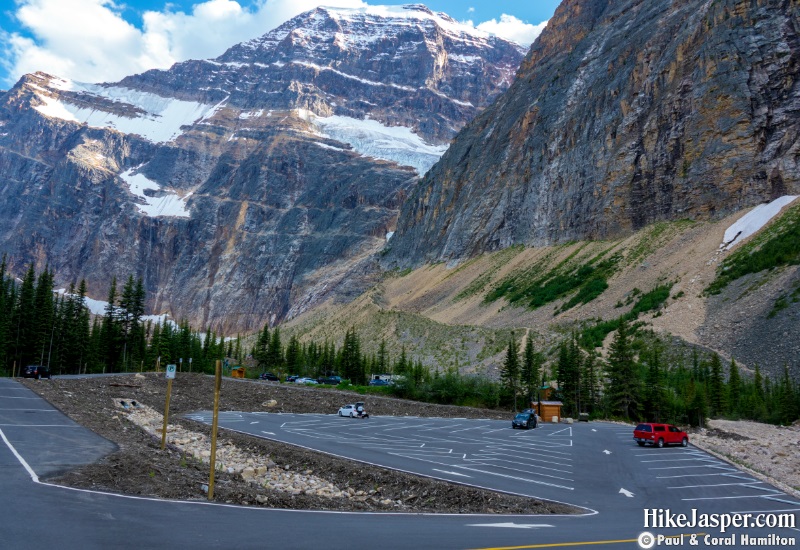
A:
x: 623, y: 113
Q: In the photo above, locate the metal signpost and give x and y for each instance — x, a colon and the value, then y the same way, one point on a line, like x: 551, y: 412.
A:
x: 170, y: 378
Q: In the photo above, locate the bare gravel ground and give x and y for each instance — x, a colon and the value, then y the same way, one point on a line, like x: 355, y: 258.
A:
x: 140, y: 467
x: 771, y: 453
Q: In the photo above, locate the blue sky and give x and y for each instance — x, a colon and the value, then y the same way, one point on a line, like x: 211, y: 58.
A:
x: 104, y: 40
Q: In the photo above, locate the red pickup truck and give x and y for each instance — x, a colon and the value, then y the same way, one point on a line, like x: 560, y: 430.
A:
x: 659, y: 435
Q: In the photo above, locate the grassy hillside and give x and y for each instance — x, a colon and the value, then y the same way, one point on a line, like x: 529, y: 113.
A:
x: 463, y: 316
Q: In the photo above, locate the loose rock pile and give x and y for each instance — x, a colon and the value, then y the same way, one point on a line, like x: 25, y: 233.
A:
x: 771, y: 453
x: 259, y: 470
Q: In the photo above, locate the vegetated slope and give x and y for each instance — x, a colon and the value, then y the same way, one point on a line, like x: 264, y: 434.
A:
x: 462, y: 316
x: 624, y: 113
x: 242, y: 188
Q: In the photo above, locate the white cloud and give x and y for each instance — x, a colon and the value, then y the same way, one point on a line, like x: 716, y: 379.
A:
x: 511, y: 28
x: 89, y: 41
x: 470, y: 10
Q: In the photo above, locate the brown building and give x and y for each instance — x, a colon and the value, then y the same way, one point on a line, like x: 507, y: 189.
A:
x: 547, y: 410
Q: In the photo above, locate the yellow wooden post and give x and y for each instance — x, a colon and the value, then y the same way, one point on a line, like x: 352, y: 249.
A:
x: 217, y: 385
x: 166, y: 415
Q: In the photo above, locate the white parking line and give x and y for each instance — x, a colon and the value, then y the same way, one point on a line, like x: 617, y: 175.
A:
x: 718, y: 485
x: 42, y: 425
x: 702, y: 466
x: 451, y: 473
x: 730, y: 498
x: 471, y: 428
x: 503, y: 458
x: 35, y: 410
x: 679, y: 460
x: 782, y: 500
x: 698, y: 475
x: 10, y: 397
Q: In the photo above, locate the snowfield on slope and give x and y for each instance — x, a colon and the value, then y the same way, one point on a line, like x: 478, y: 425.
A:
x: 753, y: 221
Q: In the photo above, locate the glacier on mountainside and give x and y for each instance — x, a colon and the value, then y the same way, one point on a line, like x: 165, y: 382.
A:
x: 161, y: 121
x: 370, y: 138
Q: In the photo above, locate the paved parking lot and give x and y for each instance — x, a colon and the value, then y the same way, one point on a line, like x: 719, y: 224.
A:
x: 594, y: 465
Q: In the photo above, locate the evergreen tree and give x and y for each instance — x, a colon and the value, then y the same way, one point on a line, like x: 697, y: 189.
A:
x: 654, y: 395
x: 785, y: 409
x: 44, y: 322
x: 531, y: 368
x: 401, y: 367
x: 110, y: 335
x: 623, y: 387
x: 6, y: 312
x: 351, y: 362
x: 716, y: 387
x: 275, y: 352
x: 23, y: 322
x: 759, y: 398
x: 590, y: 390
x: 697, y: 409
x: 294, y: 357
x: 510, y: 370
x: 734, y: 389
x: 327, y: 362
x: 129, y: 314
x: 568, y: 371
x: 261, y: 349
x: 382, y: 360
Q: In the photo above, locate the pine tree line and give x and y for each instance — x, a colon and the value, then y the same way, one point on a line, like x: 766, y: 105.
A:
x: 40, y: 327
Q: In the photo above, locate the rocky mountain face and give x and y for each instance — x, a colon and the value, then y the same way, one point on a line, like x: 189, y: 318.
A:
x: 248, y: 187
x: 623, y: 113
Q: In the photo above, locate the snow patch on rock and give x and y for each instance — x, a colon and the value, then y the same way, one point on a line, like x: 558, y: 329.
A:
x: 168, y: 204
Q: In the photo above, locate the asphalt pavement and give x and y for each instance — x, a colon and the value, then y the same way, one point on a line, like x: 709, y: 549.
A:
x: 592, y: 465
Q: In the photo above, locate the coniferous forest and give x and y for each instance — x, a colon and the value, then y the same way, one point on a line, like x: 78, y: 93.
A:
x: 41, y: 327
x: 642, y: 377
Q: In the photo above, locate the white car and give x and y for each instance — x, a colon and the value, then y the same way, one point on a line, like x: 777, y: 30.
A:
x: 348, y: 410
x: 305, y: 380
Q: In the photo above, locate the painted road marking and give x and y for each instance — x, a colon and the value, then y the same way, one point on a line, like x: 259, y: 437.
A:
x: 511, y: 525
x: 731, y: 498
x: 42, y: 425
x: 716, y: 485
x: 32, y: 410
x: 451, y: 473
x: 11, y: 397
x: 698, y: 475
